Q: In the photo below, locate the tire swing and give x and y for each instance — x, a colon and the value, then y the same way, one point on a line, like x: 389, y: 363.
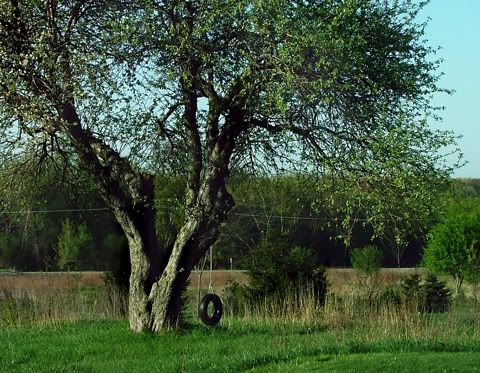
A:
x: 203, y: 305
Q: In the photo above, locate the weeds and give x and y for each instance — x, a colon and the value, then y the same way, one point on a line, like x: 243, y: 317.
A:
x: 390, y: 315
x: 51, y: 306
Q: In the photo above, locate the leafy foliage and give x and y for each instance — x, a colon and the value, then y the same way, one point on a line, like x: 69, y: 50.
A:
x: 340, y: 86
x: 72, y: 240
x: 276, y: 267
x: 453, y: 246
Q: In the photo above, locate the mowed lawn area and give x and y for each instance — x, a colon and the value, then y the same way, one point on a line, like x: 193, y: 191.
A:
x: 237, y: 345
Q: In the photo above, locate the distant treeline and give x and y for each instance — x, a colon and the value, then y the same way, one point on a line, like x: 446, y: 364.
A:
x: 37, y: 229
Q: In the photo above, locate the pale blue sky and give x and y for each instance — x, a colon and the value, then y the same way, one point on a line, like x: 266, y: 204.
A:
x: 455, y: 27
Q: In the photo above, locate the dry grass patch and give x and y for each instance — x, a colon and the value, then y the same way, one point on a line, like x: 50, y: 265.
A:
x: 11, y: 281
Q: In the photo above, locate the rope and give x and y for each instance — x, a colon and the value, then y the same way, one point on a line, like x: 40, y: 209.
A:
x: 210, y: 286
x: 200, y: 281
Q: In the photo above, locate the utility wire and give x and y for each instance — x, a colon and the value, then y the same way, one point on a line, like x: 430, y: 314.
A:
x: 247, y: 215
x: 19, y: 212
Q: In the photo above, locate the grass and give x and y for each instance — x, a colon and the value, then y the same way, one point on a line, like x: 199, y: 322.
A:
x: 236, y: 346
x: 82, y: 329
x: 49, y: 307
x: 340, y: 278
x: 49, y: 280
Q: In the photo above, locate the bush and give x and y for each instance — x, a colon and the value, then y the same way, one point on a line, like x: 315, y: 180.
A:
x: 392, y: 294
x: 235, y: 297
x: 275, y: 267
x: 436, y: 296
x: 366, y: 262
x: 119, y: 275
x: 430, y: 296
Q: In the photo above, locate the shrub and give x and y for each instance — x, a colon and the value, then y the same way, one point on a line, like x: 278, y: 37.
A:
x: 235, y: 297
x: 366, y: 262
x: 431, y: 295
x: 436, y: 296
x: 119, y: 274
x: 453, y: 246
x: 275, y: 267
x: 392, y: 294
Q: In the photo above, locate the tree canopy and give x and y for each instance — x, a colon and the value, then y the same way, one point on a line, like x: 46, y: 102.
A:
x: 204, y: 88
x: 454, y: 243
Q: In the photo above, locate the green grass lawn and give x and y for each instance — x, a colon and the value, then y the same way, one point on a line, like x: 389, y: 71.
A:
x: 108, y: 346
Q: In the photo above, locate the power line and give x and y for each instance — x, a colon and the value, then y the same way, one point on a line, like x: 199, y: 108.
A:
x: 20, y: 212
x: 247, y: 215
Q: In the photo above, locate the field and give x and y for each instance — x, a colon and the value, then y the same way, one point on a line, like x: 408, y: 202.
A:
x: 71, y: 322
x: 341, y: 279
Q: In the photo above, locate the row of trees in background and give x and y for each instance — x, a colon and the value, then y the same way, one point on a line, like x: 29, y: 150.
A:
x: 57, y: 225
x: 64, y: 227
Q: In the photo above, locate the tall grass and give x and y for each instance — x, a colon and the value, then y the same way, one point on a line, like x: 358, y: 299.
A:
x: 350, y: 316
x: 52, y: 306
x: 347, y: 316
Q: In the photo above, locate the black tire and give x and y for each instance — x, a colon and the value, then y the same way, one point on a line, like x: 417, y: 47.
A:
x: 217, y: 309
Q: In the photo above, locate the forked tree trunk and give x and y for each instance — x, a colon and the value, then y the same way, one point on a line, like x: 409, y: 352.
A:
x: 157, y: 285
x: 156, y: 305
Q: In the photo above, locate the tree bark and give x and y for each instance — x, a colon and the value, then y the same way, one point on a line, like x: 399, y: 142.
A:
x: 145, y: 264
x: 200, y: 231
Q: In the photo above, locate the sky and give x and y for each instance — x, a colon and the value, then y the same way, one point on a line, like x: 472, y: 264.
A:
x: 455, y: 27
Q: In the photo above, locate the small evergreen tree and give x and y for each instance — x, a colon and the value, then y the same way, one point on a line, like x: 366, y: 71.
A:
x: 432, y: 295
x: 412, y: 287
x: 436, y: 296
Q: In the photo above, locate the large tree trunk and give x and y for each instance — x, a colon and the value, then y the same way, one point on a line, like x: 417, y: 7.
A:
x: 155, y: 301
x: 199, y: 232
x: 138, y: 223
x: 157, y: 284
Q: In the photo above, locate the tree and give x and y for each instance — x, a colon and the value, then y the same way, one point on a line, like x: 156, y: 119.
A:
x: 453, y: 244
x: 198, y: 88
x: 268, y: 207
x: 25, y: 219
x: 367, y: 261
x: 72, y: 240
x: 473, y: 274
